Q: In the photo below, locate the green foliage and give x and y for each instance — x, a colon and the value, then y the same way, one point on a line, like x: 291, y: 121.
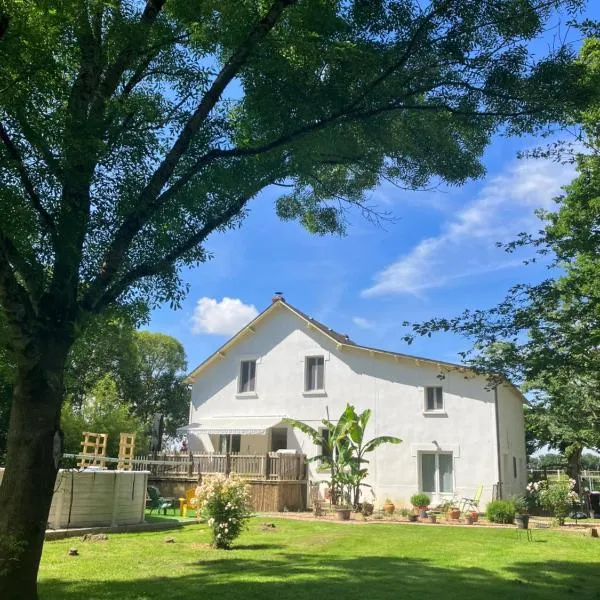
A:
x: 500, y: 511
x: 224, y: 504
x: 420, y: 499
x: 546, y: 336
x: 130, y: 131
x: 344, y: 450
x: 158, y: 377
x: 102, y: 411
x: 558, y: 496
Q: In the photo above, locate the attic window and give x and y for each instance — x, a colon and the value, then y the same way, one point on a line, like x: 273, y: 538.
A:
x: 247, y: 381
x: 314, y: 373
x: 434, y: 399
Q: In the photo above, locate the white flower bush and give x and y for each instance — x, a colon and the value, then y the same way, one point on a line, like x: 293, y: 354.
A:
x: 224, y: 503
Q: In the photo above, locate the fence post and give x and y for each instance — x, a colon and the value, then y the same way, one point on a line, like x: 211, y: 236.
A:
x: 265, y: 470
x: 227, y: 464
x: 191, y: 465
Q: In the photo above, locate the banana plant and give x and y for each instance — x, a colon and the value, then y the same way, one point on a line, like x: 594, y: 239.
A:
x: 343, y: 451
x: 332, y: 439
x: 356, y: 434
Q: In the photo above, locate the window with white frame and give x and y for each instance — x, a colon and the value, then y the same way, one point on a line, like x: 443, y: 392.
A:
x: 434, y: 398
x: 247, y: 380
x: 314, y: 373
x: 437, y: 476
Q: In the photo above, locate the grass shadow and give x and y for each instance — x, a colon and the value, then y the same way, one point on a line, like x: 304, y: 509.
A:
x: 305, y: 577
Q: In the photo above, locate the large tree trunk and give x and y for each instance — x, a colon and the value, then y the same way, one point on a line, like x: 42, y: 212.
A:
x: 30, y: 474
x: 573, y: 454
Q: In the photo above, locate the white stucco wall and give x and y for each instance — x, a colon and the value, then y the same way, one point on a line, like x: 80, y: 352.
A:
x: 512, y: 442
x: 394, y: 388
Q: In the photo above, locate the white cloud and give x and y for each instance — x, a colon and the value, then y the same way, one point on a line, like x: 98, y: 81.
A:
x: 466, y: 246
x: 225, y: 317
x: 363, y: 323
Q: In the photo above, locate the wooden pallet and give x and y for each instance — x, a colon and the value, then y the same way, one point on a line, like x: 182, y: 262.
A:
x: 94, y: 449
x: 126, y: 451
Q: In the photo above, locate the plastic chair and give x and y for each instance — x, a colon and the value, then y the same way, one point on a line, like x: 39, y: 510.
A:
x: 191, y: 501
x: 471, y: 503
x: 155, y: 500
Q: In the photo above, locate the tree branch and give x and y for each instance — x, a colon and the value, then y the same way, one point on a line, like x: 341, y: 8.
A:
x: 114, y: 72
x: 14, y: 155
x: 14, y: 298
x: 148, y: 197
x: 150, y: 268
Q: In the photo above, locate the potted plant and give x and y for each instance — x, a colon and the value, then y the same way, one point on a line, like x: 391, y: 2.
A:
x: 343, y: 512
x: 521, y: 515
x: 388, y: 507
x: 420, y: 502
x: 474, y: 516
x: 452, y: 511
x: 408, y: 514
x: 432, y: 517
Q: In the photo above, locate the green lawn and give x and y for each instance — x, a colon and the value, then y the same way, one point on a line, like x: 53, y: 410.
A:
x: 306, y: 560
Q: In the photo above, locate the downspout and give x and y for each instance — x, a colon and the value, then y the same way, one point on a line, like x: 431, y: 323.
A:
x: 498, y: 455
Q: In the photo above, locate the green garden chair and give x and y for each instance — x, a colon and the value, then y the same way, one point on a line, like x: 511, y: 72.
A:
x: 155, y: 500
x: 471, y: 503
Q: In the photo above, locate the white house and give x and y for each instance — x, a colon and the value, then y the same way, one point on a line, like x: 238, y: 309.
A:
x: 457, y: 433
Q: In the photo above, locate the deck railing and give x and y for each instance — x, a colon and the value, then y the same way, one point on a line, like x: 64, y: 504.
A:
x: 273, y: 465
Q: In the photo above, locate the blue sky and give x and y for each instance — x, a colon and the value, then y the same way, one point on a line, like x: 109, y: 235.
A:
x: 438, y: 258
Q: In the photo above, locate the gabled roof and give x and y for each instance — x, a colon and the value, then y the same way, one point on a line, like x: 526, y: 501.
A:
x: 339, y: 339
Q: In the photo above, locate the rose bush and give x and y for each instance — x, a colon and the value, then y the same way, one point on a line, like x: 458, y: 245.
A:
x: 224, y: 503
x: 559, y: 497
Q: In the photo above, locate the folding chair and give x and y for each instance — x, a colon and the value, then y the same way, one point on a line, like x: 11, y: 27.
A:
x: 471, y: 503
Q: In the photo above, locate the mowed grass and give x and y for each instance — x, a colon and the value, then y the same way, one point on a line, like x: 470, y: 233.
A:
x: 308, y: 560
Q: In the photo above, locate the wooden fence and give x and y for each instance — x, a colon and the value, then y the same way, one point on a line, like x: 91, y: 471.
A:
x: 272, y: 466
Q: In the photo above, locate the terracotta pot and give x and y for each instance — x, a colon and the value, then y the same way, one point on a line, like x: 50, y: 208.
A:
x: 469, y: 520
x: 389, y: 508
x: 474, y: 516
x: 454, y: 514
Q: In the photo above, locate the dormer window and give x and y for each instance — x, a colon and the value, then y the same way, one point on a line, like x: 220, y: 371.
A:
x: 434, y: 399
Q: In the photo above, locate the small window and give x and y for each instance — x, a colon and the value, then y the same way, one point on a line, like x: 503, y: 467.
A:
x: 230, y: 443
x: 325, y: 450
x: 515, y: 466
x: 247, y: 381
x: 278, y: 439
x: 314, y: 373
x: 434, y: 398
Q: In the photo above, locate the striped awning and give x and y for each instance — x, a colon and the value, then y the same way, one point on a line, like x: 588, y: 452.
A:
x: 232, y: 425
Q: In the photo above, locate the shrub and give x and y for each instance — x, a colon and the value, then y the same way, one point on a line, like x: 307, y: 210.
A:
x: 223, y: 502
x: 420, y: 500
x: 501, y: 511
x: 559, y: 497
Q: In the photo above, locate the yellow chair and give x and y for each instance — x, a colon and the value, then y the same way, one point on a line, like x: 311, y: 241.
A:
x: 190, y: 501
x: 471, y: 503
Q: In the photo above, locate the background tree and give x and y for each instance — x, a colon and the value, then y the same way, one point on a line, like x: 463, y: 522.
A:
x: 547, y: 336
x: 158, y: 386
x: 102, y: 411
x: 130, y: 131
